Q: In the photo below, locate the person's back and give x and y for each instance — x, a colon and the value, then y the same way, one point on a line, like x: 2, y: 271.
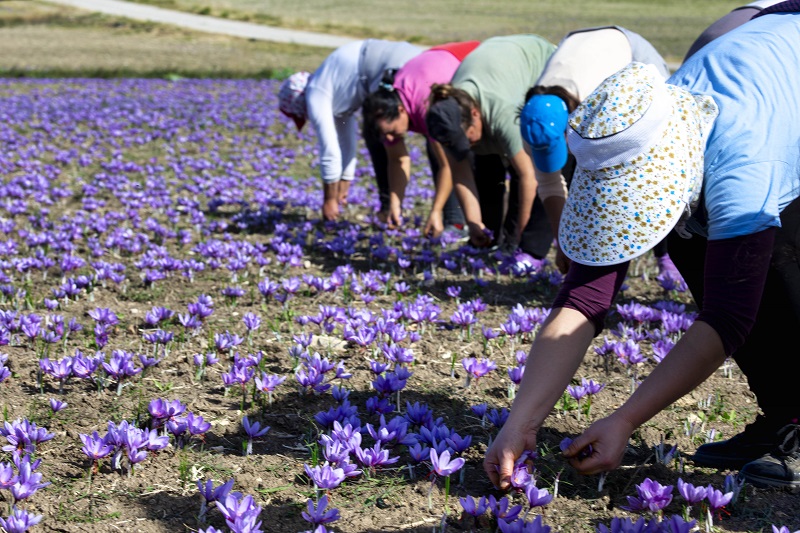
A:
x: 752, y: 73
x: 335, y: 79
x: 585, y: 57
x: 413, y: 81
x: 723, y: 25
x: 497, y: 74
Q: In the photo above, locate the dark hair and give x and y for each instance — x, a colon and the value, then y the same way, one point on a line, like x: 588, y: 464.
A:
x: 382, y: 104
x: 442, y: 91
x: 556, y: 90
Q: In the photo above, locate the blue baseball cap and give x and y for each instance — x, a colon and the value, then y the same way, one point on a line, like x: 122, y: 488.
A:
x: 543, y: 122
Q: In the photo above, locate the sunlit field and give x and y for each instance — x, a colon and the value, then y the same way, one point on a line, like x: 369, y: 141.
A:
x: 184, y: 346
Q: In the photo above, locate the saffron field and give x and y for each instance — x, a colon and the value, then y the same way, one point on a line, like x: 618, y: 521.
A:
x: 184, y: 346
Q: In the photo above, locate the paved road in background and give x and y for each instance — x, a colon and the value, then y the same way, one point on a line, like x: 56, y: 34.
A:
x: 206, y: 24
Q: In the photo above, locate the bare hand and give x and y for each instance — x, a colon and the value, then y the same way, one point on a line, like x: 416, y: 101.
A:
x: 394, y: 218
x: 330, y: 209
x: 608, y: 438
x: 510, y: 444
x: 383, y: 217
x: 477, y: 236
x: 434, y: 226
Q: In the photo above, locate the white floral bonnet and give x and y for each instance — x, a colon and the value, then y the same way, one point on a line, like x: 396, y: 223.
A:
x: 638, y: 142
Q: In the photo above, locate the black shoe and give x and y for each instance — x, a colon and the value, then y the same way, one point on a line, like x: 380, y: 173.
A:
x: 757, y: 439
x: 781, y: 467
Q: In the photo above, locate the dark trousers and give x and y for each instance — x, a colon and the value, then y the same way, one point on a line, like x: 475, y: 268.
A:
x: 769, y: 355
x: 451, y: 213
x: 500, y: 212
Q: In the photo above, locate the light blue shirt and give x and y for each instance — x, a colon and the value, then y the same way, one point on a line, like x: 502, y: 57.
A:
x: 752, y: 157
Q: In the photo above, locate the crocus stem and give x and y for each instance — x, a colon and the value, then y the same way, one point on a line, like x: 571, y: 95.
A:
x: 446, y: 492
x: 430, y: 490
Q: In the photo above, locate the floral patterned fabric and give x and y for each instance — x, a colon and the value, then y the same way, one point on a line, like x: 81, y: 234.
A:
x: 291, y: 96
x: 639, y: 146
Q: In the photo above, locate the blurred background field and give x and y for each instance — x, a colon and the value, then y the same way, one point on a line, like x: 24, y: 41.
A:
x: 43, y: 39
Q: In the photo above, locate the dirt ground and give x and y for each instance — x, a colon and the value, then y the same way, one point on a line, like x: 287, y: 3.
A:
x: 161, y: 494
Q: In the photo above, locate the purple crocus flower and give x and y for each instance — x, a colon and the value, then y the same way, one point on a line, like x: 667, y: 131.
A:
x: 693, y: 495
x: 442, y: 464
x: 57, y: 405
x: 190, y: 322
x: 225, y: 342
x: 521, y: 526
x: 121, y: 365
x: 625, y: 525
x: 717, y: 499
x: 95, y: 447
x: 537, y: 497
x: 240, y: 512
x: 453, y: 291
x: 374, y: 457
x: 576, y: 391
x: 676, y: 524
x: 498, y: 418
x: 335, y: 451
x: 61, y: 369
x: 520, y: 476
x: 153, y: 441
x: 503, y: 510
x: 24, y: 435
x: 28, y: 481
x: 325, y: 476
x: 196, y: 425
x: 515, y: 374
x: 84, y: 366
x: 157, y: 315
x: 211, y: 494
x: 591, y: 387
x: 419, y: 452
x: 105, y: 316
x: 652, y: 496
x: 463, y: 318
x: 317, y: 514
x: 473, y: 508
x: 8, y: 477
x: 347, y: 433
x: 479, y: 410
x: 161, y: 410
x: 19, y: 521
x: 478, y: 367
x: 252, y: 430
x: 251, y: 321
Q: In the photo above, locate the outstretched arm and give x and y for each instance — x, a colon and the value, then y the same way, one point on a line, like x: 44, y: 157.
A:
x: 693, y: 358
x: 555, y: 355
x: 527, y: 191
x: 467, y: 192
x: 552, y: 189
x: 399, y: 171
x: 731, y: 297
x: 444, y: 187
